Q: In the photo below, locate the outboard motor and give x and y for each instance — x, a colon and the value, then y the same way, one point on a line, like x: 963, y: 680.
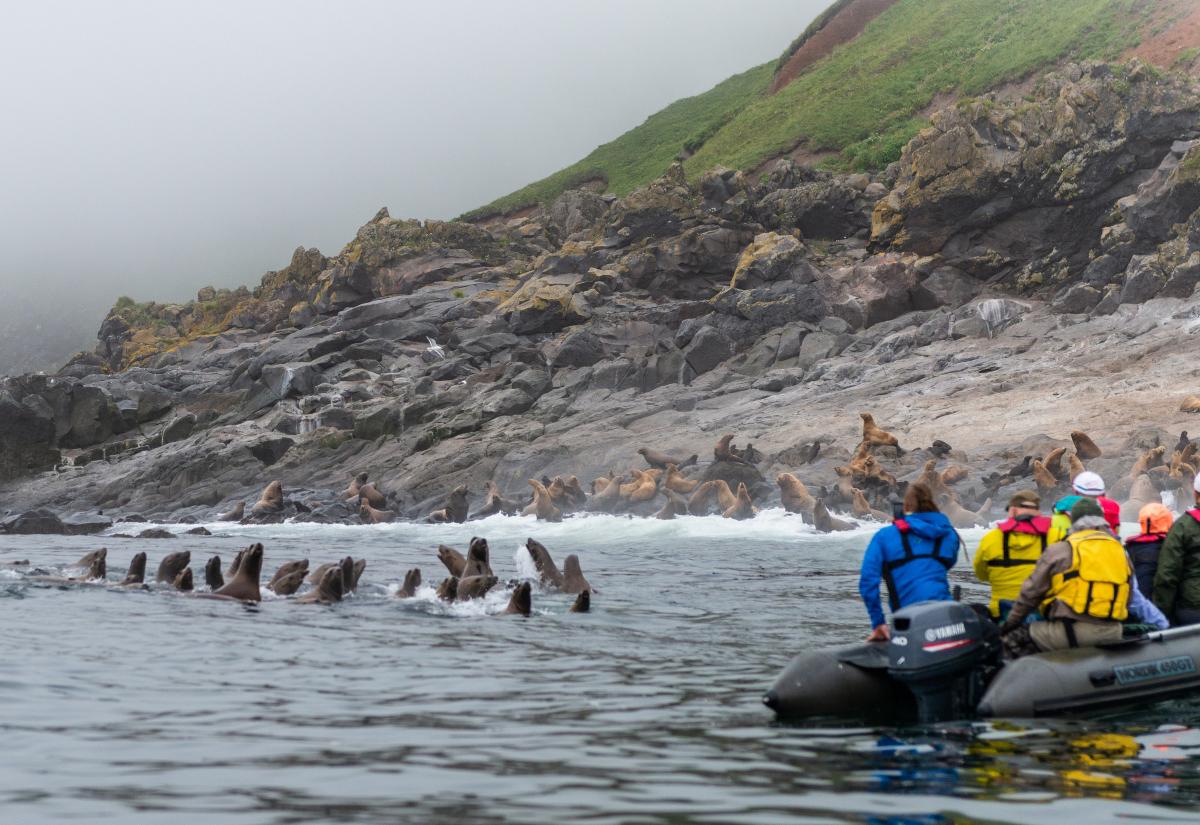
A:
x: 944, y: 652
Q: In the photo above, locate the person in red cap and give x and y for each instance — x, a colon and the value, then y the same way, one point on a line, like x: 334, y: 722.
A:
x: 1155, y: 522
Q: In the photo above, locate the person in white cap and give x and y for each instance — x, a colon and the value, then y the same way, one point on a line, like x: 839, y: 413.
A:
x: 1177, y: 580
x: 1091, y: 485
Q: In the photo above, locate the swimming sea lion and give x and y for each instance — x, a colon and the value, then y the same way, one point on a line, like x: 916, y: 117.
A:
x: 1043, y: 478
x: 678, y: 482
x: 137, y: 571
x: 1076, y: 465
x: 794, y: 495
x: 521, y: 603
x: 548, y: 571
x: 1148, y: 459
x: 660, y: 460
x: 359, y: 566
x: 724, y: 452
x: 329, y: 589
x: 271, y: 500
x: 456, y: 509
x: 744, y: 507
x: 89, y: 560
x: 1053, y: 461
x: 212, y: 574
x: 172, y: 565
x: 478, y: 560
x: 582, y: 603
x: 244, y: 585
x: 494, y: 503
x: 412, y: 581
x: 370, y: 515
x: 826, y: 523
x: 236, y: 514
x: 676, y: 505
x: 543, y: 506
x: 454, y: 561
x: 874, y: 435
x: 288, y: 568
x: 1085, y: 448
x: 370, y: 493
x: 352, y: 492
x: 183, y: 582
x: 93, y: 567
x: 285, y: 583
x: 474, y: 587
x: 557, y: 488
x: 573, y: 579
x: 447, y: 591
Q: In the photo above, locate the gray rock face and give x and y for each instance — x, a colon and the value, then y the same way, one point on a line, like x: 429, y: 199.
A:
x: 708, y: 348
x: 1077, y: 299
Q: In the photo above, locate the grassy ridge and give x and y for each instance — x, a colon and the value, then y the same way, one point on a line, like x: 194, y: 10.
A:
x: 866, y: 98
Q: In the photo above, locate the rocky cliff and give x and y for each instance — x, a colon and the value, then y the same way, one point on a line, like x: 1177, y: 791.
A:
x: 1026, y: 267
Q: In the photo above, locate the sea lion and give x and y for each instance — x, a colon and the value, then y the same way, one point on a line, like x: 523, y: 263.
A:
x: 137, y: 571
x: 474, y: 587
x: 329, y: 590
x: 93, y: 567
x: 576, y: 497
x: 679, y: 483
x: 370, y: 494
x: 1147, y: 460
x: 1142, y: 492
x: 287, y: 569
x: 676, y: 505
x: 1076, y: 465
x: 288, y: 584
x: 447, y: 591
x: 548, y: 571
x: 412, y: 581
x: 1085, y: 448
x: 172, y: 565
x: 723, y: 451
x: 607, y: 497
x: 862, y: 509
x: 478, y: 560
x: 494, y: 502
x: 940, y: 449
x: 244, y: 585
x: 1183, y: 442
x: 874, y: 435
x: 543, y: 507
x: 1190, y: 404
x: 521, y: 603
x: 953, y: 474
x: 454, y: 561
x: 357, y: 568
x: 699, y: 503
x: 456, y: 509
x: 212, y: 574
x: 352, y: 492
x: 271, y: 500
x: 826, y: 523
x: 744, y: 507
x: 183, y: 582
x: 794, y: 495
x: 370, y: 515
x: 236, y: 514
x: 573, y: 578
x: 875, y: 471
x: 1043, y: 478
x: 600, y: 484
x: 962, y: 518
x: 582, y: 603
x: 660, y: 460
x: 644, y: 488
x: 1053, y: 462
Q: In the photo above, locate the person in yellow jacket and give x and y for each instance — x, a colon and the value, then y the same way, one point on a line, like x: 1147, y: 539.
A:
x: 1007, y: 553
x: 1082, y: 585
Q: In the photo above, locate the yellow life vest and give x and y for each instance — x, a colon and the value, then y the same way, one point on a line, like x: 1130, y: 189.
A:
x: 1097, y: 584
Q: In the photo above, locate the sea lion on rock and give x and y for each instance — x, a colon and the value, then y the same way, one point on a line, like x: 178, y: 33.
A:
x: 172, y: 565
x: 494, y: 503
x: 137, y: 571
x: 352, y: 492
x: 454, y: 561
x: 183, y: 582
x: 370, y: 515
x: 1043, y: 478
x: 1183, y: 442
x: 582, y: 603
x: 1147, y: 460
x: 474, y: 587
x: 961, y: 517
x: 244, y: 585
x: 862, y: 509
x: 1085, y: 448
x: 874, y: 435
x: 1142, y: 493
x: 1190, y: 404
x: 723, y: 451
x: 412, y: 581
x: 825, y: 523
x: 236, y: 514
x: 744, y: 507
x: 521, y: 603
x: 1053, y: 462
x: 679, y: 483
x: 542, y: 505
x: 573, y: 578
x: 794, y: 495
x: 643, y: 488
x: 606, y: 498
x: 456, y: 509
x: 676, y: 505
x: 447, y: 591
x: 548, y: 571
x: 370, y: 494
x: 701, y: 499
x: 953, y: 474
x: 271, y: 500
x: 1076, y: 465
x: 212, y: 574
x: 660, y: 460
x: 329, y: 590
x: 576, y: 497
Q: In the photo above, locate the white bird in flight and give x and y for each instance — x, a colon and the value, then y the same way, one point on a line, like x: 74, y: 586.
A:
x: 435, y: 348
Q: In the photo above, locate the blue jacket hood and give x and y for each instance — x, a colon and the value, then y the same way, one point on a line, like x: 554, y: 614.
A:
x: 932, y: 526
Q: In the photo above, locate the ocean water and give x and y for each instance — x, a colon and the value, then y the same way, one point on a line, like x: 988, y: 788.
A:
x: 149, y: 707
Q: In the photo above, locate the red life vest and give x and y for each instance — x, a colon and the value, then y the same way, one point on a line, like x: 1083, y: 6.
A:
x: 1036, y: 526
x: 1147, y: 538
x: 1194, y: 513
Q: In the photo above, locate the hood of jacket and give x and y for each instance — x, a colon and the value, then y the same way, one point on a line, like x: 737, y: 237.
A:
x: 932, y: 526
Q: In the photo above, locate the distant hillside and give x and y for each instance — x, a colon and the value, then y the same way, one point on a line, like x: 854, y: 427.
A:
x: 855, y: 86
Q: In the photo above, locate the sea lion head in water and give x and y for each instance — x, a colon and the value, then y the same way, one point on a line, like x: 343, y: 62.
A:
x: 329, y: 589
x: 94, y: 563
x: 172, y: 565
x: 475, y: 587
x: 454, y: 561
x: 548, y: 571
x: 271, y: 499
x: 357, y: 569
x: 212, y: 574
x: 244, y: 585
x: 447, y: 591
x: 183, y: 582
x: 456, y: 509
x: 235, y: 564
x: 478, y: 561
x: 236, y: 514
x: 573, y: 580
x: 412, y: 581
x: 582, y: 603
x: 521, y: 603
x: 288, y: 583
x: 137, y: 570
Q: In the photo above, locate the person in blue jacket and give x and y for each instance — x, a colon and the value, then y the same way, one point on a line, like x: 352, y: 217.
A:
x: 913, y: 555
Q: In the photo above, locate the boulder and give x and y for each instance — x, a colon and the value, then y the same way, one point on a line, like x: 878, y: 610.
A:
x: 35, y: 522
x: 179, y: 428
x: 772, y: 257
x: 545, y: 304
x: 708, y: 348
x: 1076, y: 299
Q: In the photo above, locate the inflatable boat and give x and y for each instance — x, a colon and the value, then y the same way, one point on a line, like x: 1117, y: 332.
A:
x: 943, y: 663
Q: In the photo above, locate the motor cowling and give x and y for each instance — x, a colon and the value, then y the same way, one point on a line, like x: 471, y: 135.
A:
x: 942, y: 651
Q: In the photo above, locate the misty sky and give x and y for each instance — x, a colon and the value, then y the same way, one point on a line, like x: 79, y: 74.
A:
x: 151, y: 148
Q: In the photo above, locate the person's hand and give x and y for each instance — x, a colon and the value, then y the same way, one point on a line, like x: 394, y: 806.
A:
x: 881, y: 633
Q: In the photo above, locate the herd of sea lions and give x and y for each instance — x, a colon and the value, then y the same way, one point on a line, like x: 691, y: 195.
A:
x: 470, y: 577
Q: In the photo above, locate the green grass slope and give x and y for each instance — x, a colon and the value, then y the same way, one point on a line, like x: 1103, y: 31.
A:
x: 864, y: 101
